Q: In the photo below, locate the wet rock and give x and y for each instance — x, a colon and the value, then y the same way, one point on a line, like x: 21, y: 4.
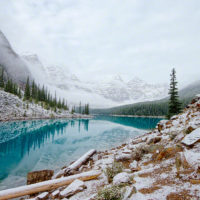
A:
x: 75, y: 187
x: 121, y: 178
x: 39, y: 176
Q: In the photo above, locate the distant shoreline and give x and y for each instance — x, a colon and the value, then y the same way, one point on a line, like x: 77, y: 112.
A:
x: 46, y: 117
x: 141, y: 116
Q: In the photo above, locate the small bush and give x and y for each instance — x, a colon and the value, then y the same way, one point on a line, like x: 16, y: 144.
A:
x: 110, y: 193
x: 52, y: 116
x: 115, y: 169
x: 140, y: 151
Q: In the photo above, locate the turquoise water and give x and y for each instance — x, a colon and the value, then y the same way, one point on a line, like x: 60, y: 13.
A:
x: 50, y: 144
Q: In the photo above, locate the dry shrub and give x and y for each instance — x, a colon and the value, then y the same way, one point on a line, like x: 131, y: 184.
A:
x: 110, y: 193
x: 169, y: 152
x: 116, y: 168
x: 139, y: 152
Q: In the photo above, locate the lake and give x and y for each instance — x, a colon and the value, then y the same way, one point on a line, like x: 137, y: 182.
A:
x: 50, y: 144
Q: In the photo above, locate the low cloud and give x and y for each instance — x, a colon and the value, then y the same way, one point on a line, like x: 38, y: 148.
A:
x: 94, y: 39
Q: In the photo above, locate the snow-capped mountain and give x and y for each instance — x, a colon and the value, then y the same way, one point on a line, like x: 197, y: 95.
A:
x: 105, y: 93
x: 14, y: 65
x: 115, y: 91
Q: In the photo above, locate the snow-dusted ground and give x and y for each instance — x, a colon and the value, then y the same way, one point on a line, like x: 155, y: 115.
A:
x: 14, y: 108
x: 167, y: 166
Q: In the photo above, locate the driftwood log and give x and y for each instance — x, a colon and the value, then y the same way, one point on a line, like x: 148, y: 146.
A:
x: 74, y: 166
x: 46, y: 185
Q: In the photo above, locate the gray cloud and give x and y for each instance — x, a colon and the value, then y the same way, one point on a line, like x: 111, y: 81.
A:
x: 100, y: 38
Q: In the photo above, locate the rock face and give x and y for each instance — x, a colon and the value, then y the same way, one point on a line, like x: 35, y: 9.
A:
x: 39, y: 176
x: 121, y: 178
x: 13, y: 64
x: 192, y: 138
x: 75, y: 187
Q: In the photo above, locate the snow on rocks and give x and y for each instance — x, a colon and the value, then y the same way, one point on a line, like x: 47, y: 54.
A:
x: 73, y: 188
x: 192, y: 138
x: 77, y: 164
x: 14, y: 108
x: 134, y: 166
x: 130, y: 190
x: 55, y: 193
x: 42, y: 196
x: 121, y: 178
x: 123, y: 157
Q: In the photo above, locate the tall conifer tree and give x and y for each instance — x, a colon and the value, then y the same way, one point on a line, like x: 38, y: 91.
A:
x: 27, y: 90
x: 174, y: 103
x: 1, y: 80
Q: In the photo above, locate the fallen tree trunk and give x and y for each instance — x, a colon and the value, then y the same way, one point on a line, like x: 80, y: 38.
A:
x: 46, y: 185
x: 83, y: 159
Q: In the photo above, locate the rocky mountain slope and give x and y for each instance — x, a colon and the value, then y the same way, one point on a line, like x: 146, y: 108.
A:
x: 161, y: 164
x: 13, y: 64
x: 14, y: 108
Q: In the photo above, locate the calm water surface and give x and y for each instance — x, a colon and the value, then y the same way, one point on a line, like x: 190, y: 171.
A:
x: 50, y: 144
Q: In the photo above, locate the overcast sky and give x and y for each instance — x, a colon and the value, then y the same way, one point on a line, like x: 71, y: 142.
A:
x: 100, y: 38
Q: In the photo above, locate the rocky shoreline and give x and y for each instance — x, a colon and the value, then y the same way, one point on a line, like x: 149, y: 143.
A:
x: 161, y: 164
x: 142, y: 116
x: 72, y: 116
x: 13, y: 108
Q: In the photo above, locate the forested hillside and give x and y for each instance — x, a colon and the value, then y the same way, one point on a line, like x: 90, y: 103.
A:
x: 152, y: 108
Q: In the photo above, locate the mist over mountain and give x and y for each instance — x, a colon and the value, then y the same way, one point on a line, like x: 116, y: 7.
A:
x: 104, y: 93
x: 13, y: 64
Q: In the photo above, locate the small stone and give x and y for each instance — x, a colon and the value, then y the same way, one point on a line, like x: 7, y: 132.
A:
x: 43, y: 196
x: 75, y: 187
x: 55, y: 193
x: 134, y: 166
x: 154, y: 140
x: 123, y: 157
x: 121, y: 178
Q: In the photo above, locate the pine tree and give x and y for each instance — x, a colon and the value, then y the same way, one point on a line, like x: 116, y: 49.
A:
x: 174, y: 103
x: 80, y: 107
x: 1, y: 80
x: 27, y: 90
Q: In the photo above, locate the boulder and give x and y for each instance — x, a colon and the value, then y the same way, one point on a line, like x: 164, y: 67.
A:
x: 39, y: 176
x: 75, y: 187
x: 121, y: 178
x: 192, y: 138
